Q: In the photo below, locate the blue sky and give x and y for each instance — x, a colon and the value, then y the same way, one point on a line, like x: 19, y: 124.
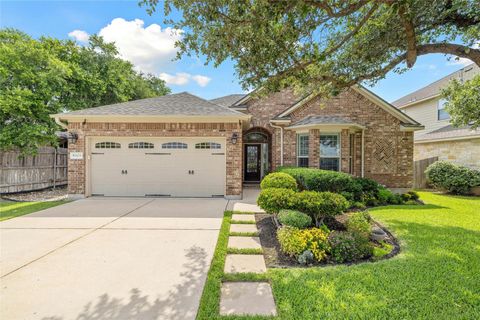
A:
x: 150, y: 47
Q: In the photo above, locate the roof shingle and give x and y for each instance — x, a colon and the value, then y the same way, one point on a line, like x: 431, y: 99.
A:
x: 228, y: 101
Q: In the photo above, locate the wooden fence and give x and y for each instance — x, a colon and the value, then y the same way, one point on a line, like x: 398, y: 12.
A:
x: 46, y: 169
x: 419, y: 167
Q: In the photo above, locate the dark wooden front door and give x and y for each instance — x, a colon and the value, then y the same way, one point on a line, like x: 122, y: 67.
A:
x: 252, y: 162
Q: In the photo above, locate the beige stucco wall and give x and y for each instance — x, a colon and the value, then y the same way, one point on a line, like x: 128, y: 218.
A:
x: 426, y: 113
x: 464, y: 152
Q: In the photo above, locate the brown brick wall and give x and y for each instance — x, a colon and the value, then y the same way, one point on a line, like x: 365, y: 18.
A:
x: 388, y: 151
x: 76, y: 168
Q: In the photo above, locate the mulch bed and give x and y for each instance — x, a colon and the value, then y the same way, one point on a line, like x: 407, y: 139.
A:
x: 275, y: 258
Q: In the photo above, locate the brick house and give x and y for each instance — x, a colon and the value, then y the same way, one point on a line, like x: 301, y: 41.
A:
x: 183, y: 145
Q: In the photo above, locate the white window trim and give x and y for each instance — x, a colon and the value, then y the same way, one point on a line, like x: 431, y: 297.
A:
x: 339, y: 157
x: 298, y: 148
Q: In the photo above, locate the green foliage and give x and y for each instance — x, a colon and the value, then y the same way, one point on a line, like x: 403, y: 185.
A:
x: 406, y: 197
x: 294, y: 218
x: 322, y: 46
x: 359, y: 223
x: 320, y: 205
x: 463, y: 102
x: 278, y: 180
x: 348, y: 246
x: 272, y: 200
x: 295, y: 241
x: 414, y: 195
x: 452, y: 178
x: 383, y: 250
x: 386, y: 196
x: 47, y: 76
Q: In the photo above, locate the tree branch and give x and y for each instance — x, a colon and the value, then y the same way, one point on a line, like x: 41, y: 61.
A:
x: 451, y: 48
x: 410, y: 37
x: 340, y: 13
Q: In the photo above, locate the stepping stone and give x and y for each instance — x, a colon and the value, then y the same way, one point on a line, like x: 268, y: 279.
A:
x: 247, y: 298
x: 244, y: 243
x: 247, y: 207
x: 243, y: 228
x: 243, y: 217
x: 237, y: 263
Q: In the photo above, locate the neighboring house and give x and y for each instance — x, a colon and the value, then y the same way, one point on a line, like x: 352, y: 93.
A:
x: 439, y: 138
x: 182, y: 145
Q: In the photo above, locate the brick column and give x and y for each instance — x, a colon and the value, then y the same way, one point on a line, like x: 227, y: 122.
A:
x: 76, y: 168
x: 344, y: 150
x: 314, y: 148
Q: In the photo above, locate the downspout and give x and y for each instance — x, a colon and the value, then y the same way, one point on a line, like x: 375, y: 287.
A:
x: 281, y: 142
x: 60, y: 123
x: 363, y: 153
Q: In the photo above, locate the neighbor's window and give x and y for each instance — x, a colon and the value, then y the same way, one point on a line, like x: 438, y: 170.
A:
x: 330, y: 152
x: 442, y: 114
x: 208, y: 145
x: 302, y: 150
x: 140, y: 145
x: 107, y: 145
x: 174, y: 145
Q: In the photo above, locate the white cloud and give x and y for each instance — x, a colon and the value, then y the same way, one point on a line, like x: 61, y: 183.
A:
x: 148, y: 48
x: 183, y: 78
x: 201, y: 80
x: 178, y: 79
x: 79, y: 35
x: 455, y: 61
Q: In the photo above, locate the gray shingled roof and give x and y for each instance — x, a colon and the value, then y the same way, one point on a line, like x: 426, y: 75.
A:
x: 178, y: 104
x: 449, y: 132
x: 311, y: 120
x: 433, y: 89
x: 228, y: 101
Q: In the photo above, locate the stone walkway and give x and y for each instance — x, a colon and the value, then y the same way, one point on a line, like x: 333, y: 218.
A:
x: 246, y: 298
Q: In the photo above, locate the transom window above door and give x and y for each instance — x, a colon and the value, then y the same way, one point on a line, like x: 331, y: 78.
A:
x: 174, y: 145
x: 255, y: 137
x: 107, y: 145
x: 330, y: 152
x: 208, y: 145
x: 140, y: 145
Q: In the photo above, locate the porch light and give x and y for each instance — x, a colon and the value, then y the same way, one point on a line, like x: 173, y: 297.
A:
x: 234, y: 138
x: 72, y: 137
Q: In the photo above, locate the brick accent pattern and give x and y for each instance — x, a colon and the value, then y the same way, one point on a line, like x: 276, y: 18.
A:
x: 388, y: 151
x: 77, y: 168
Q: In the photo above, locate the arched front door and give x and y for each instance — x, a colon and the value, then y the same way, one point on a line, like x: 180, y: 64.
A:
x: 256, y: 155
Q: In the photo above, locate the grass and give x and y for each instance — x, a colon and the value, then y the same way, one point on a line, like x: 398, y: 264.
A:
x: 435, y: 276
x: 242, y: 222
x: 244, y: 234
x: 10, y: 210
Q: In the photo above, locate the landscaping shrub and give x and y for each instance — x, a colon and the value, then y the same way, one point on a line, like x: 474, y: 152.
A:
x: 320, y: 205
x: 279, y: 180
x: 295, y: 241
x: 406, y: 197
x: 346, y: 246
x: 294, y: 218
x: 386, y: 196
x: 272, y: 200
x: 360, y: 223
x: 452, y: 178
x: 413, y: 194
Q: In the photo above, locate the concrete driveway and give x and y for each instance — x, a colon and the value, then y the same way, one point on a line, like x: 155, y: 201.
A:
x: 109, y: 258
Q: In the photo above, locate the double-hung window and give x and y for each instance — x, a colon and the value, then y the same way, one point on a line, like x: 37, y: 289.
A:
x: 330, y: 152
x: 302, y: 150
x: 442, y: 114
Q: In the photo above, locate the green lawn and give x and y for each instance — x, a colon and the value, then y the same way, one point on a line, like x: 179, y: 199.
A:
x: 10, y: 210
x: 436, y: 275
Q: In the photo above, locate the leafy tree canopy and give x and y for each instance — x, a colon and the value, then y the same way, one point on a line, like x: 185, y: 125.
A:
x: 47, y: 76
x: 323, y: 45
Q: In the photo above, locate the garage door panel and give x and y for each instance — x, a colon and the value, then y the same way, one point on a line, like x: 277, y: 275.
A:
x: 160, y: 171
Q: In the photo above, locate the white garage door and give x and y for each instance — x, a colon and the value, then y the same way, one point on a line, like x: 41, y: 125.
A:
x: 177, y: 167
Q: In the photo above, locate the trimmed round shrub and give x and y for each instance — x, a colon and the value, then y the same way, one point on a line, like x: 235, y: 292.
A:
x: 452, y: 178
x: 294, y: 218
x: 413, y: 194
x: 406, y: 197
x: 272, y: 200
x: 359, y: 222
x: 294, y: 241
x: 279, y: 180
x: 386, y: 196
x: 347, y: 247
x: 320, y: 205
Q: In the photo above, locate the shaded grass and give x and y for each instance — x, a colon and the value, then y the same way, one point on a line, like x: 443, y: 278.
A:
x: 244, y: 251
x: 435, y: 276
x: 242, y: 222
x: 9, y: 210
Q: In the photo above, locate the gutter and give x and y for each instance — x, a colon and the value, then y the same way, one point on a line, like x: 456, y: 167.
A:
x: 60, y: 123
x: 363, y: 153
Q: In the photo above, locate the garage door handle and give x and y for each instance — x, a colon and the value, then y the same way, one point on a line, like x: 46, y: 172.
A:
x: 191, y: 172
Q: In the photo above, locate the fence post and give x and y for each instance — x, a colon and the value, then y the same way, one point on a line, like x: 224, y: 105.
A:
x: 55, y: 168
